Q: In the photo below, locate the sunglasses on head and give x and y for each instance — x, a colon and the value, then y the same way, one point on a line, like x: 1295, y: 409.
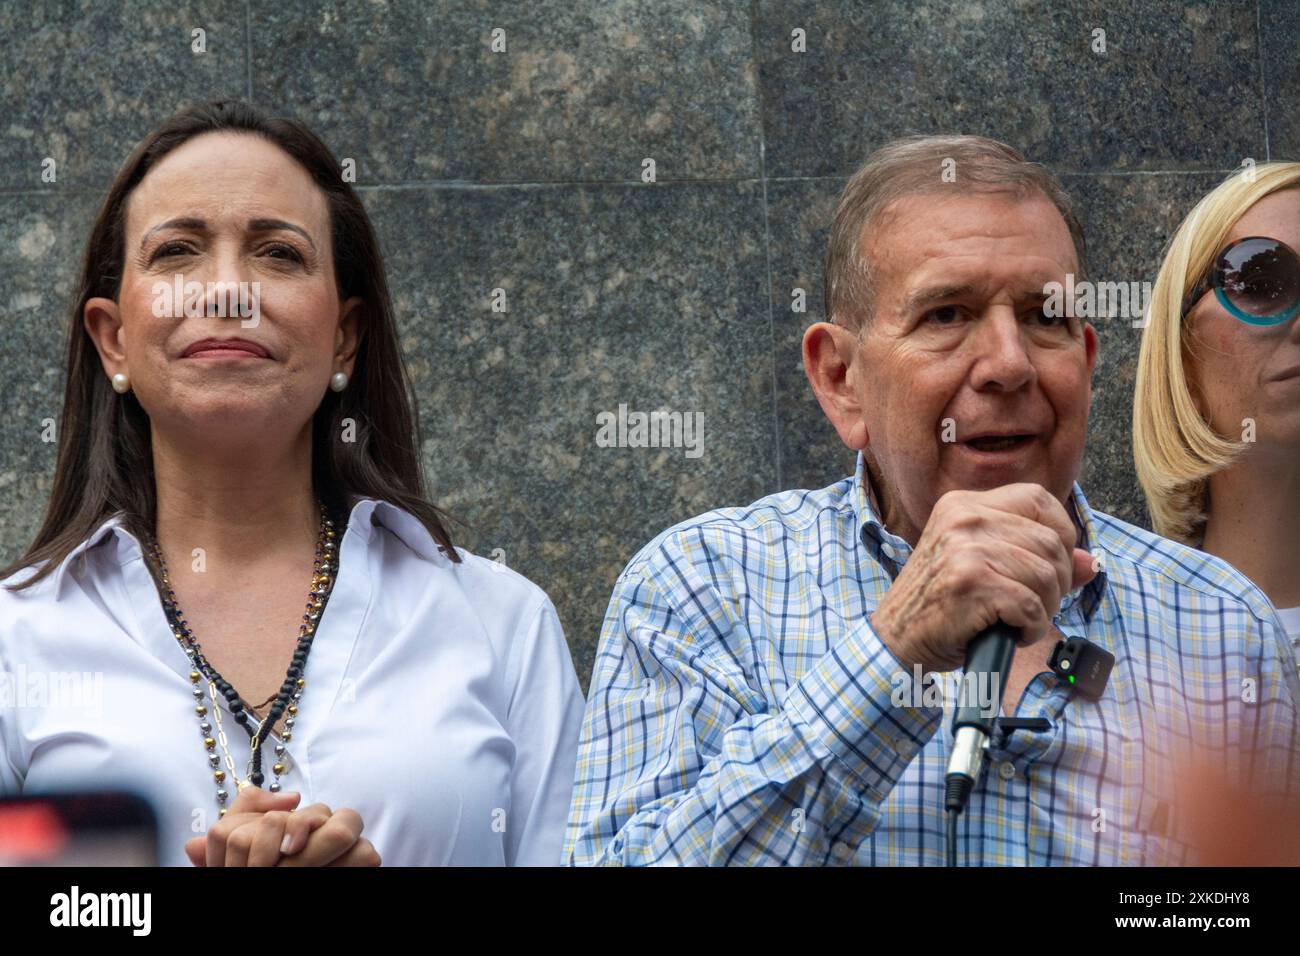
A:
x: 1256, y: 279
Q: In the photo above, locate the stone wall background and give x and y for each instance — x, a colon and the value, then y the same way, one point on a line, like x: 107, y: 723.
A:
x: 522, y: 170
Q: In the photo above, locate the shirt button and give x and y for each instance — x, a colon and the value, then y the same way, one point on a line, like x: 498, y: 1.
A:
x: 841, y: 850
x: 1007, y: 769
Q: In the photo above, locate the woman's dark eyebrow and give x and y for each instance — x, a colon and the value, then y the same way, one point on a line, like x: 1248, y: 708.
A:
x: 254, y: 225
x: 199, y: 225
x: 270, y: 225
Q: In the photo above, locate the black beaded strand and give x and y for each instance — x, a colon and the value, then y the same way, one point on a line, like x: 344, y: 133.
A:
x: 324, y: 571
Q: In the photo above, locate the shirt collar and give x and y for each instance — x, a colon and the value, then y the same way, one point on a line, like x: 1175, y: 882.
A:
x: 363, y: 515
x: 114, y: 525
x: 367, y: 513
x: 892, y: 552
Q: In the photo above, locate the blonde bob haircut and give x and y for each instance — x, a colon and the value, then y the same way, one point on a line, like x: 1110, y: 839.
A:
x: 1175, y: 450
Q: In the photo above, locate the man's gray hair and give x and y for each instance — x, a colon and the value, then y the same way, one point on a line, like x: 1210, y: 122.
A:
x: 914, y: 165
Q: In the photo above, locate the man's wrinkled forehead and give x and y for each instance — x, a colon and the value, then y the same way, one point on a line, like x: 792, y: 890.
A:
x: 977, y: 244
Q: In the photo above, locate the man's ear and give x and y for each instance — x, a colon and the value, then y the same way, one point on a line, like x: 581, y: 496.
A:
x: 830, y: 356
x: 103, y: 323
x: 1090, y: 346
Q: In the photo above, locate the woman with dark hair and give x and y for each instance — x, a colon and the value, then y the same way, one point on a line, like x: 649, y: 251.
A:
x: 239, y: 437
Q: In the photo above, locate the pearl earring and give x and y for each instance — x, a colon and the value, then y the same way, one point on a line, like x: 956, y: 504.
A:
x: 339, y: 381
x: 121, y: 384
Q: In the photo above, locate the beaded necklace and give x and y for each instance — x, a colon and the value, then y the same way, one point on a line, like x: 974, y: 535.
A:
x: 324, y: 570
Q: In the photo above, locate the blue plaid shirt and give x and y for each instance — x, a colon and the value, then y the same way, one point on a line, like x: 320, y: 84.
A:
x: 743, y: 711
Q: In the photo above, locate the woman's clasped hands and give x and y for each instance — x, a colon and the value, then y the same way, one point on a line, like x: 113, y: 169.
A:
x: 264, y: 829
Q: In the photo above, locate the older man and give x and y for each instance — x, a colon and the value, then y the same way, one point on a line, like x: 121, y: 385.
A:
x: 755, y: 696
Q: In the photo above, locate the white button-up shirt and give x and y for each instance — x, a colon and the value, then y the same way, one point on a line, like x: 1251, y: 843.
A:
x: 440, y: 702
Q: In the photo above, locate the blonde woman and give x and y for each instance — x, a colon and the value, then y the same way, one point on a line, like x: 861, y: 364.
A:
x: 1216, y: 416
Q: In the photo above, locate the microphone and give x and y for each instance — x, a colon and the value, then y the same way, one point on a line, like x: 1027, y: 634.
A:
x: 988, y: 663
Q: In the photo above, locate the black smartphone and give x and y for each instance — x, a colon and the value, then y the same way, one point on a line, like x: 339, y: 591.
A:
x: 108, y: 828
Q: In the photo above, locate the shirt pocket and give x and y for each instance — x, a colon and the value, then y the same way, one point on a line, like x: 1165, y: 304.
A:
x: 1163, y: 850
x: 1158, y: 839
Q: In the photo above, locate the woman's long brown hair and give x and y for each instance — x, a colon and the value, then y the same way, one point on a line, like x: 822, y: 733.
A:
x: 105, y: 456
